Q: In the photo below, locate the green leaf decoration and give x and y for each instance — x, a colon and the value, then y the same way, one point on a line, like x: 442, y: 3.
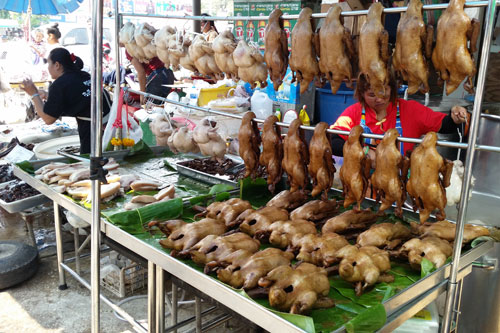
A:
x: 220, y: 188
x: 369, y: 320
x: 426, y: 267
x: 140, y: 152
x: 480, y: 240
x: 168, y: 165
x: 222, y: 196
x: 26, y: 166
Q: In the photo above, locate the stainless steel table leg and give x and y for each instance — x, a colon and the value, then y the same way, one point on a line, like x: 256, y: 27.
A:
x: 59, y: 246
x: 160, y: 300
x: 197, y: 312
x: 151, y: 296
x: 76, y: 238
x: 29, y: 224
x: 175, y: 297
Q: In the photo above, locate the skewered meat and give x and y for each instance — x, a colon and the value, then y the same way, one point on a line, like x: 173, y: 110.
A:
x: 182, y: 141
x: 435, y: 249
x: 321, y: 168
x: 224, y: 46
x: 282, y: 232
x: 384, y: 234
x: 303, y: 60
x: 202, y: 54
x: 364, y: 266
x: 320, y: 250
x: 246, y: 268
x: 276, y: 48
x: 287, y: 200
x: 374, y: 51
x: 185, y: 235
x: 425, y: 186
x: 355, y: 171
x: 251, y: 66
x: 229, y: 210
x: 349, y: 220
x: 272, y: 152
x: 299, y: 289
x: 390, y: 174
x: 446, y: 230
x: 209, y: 141
x: 249, y: 139
x: 451, y: 57
x: 214, y: 248
x: 295, y: 157
x: 261, y: 219
x: 336, y: 50
x: 413, y: 48
x: 315, y: 210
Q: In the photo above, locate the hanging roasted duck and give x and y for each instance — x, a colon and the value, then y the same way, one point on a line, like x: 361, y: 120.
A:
x: 321, y: 168
x: 451, y: 57
x: 249, y: 139
x: 413, y: 48
x: 272, y: 152
x: 276, y: 48
x: 296, y: 157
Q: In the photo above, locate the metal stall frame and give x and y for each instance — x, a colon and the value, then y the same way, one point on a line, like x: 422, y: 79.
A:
x: 97, y: 121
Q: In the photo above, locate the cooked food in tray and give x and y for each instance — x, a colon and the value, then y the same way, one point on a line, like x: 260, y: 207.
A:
x: 387, y: 235
x: 227, y: 211
x: 6, y: 173
x: 17, y: 190
x: 350, y: 220
x: 257, y: 221
x: 435, y: 249
x: 318, y: 249
x: 315, y: 210
x: 281, y: 233
x: 288, y: 200
x: 446, y: 230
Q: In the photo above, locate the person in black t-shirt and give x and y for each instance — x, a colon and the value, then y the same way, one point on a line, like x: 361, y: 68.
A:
x: 69, y: 94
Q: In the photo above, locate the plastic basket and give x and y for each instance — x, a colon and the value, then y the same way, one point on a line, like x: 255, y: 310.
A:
x: 130, y: 279
x: 209, y: 94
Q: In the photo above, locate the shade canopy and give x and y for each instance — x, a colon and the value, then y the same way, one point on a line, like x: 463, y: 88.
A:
x: 40, y: 7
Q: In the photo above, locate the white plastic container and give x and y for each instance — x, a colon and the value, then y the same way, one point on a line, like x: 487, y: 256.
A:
x: 261, y: 104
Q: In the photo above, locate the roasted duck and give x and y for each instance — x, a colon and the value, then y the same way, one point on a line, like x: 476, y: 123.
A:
x: 295, y: 157
x: 251, y: 66
x: 374, y: 51
x: 315, y: 210
x: 276, y: 48
x: 384, y: 234
x: 246, y: 268
x: 228, y: 210
x: 320, y: 250
x: 446, y: 230
x: 321, y: 168
x: 299, y: 289
x: 451, y: 57
x: 303, y: 60
x: 413, y: 48
x: 390, y: 175
x: 249, y: 139
x: 364, y: 266
x: 435, y: 249
x: 336, y: 49
x: 224, y: 46
x: 355, y: 171
x: 349, y: 220
x: 288, y: 200
x: 430, y: 175
x: 261, y: 219
x: 272, y: 152
x: 282, y: 232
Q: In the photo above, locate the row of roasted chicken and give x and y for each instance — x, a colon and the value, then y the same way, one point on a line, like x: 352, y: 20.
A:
x: 327, y: 54
x: 236, y: 259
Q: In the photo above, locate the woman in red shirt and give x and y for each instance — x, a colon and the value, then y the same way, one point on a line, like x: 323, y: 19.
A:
x: 377, y: 115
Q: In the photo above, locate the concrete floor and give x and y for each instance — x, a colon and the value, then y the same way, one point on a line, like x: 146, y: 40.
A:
x: 37, y: 305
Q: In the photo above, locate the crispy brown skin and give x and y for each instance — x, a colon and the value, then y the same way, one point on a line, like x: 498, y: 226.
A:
x: 287, y: 200
x: 349, y: 220
x: 276, y: 52
x: 446, y: 230
x: 272, y: 152
x: 435, y: 249
x: 296, y: 157
x: 321, y: 168
x: 249, y: 139
x: 318, y: 249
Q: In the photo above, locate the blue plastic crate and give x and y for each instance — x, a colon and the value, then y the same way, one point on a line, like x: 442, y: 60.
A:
x: 331, y: 106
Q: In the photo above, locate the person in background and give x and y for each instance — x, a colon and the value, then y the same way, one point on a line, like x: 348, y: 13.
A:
x: 207, y: 27
x: 53, y: 35
x: 69, y: 94
x: 376, y: 115
x: 38, y: 47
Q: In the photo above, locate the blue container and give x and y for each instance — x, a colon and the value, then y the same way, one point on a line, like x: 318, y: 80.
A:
x: 329, y: 106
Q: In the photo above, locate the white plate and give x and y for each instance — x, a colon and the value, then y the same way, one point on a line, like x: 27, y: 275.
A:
x: 49, y: 148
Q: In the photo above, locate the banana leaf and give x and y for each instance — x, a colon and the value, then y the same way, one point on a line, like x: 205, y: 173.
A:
x: 140, y: 152
x: 26, y: 166
x: 220, y: 188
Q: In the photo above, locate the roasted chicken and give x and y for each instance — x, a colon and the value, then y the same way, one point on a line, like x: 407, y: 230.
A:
x: 451, y: 57
x: 162, y: 128
x: 249, y: 140
x: 164, y: 39
x: 246, y: 268
x: 413, y: 48
x: 210, y: 142
x: 299, y: 289
x: 250, y: 63
x: 321, y: 168
x: 272, y: 152
x: 384, y: 234
x: 181, y: 52
x: 276, y: 48
x: 446, y: 230
x: 202, y: 54
x: 224, y: 46
x: 261, y: 219
x: 349, y: 220
x: 303, y: 60
x: 182, y: 141
x: 315, y: 210
x: 227, y: 211
x: 364, y: 266
x: 435, y: 249
x: 390, y: 175
x: 295, y: 157
x: 336, y: 49
x: 355, y: 171
x: 374, y: 51
x: 282, y: 232
x: 288, y: 200
x: 320, y: 250
x: 430, y: 175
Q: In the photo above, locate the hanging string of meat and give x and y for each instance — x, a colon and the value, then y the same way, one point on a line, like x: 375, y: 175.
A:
x: 296, y: 157
x: 272, y: 152
x: 321, y: 166
x: 249, y: 139
x: 276, y: 52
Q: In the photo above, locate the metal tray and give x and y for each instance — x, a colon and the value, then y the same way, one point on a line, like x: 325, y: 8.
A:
x: 23, y: 204
x: 206, y: 177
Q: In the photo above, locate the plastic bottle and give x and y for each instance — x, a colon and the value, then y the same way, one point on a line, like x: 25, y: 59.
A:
x: 261, y: 104
x: 304, y: 117
x: 277, y: 113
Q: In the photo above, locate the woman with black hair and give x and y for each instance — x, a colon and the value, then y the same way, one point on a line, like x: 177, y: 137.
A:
x: 69, y: 94
x: 207, y: 26
x: 53, y: 35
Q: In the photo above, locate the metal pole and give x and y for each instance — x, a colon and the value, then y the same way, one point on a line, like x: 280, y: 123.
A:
x: 59, y: 247
x: 175, y: 299
x: 96, y: 151
x: 117, y: 44
x: 151, y: 296
x: 160, y: 300
x: 469, y: 161
x: 197, y: 313
x: 76, y: 240
x: 196, y: 12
